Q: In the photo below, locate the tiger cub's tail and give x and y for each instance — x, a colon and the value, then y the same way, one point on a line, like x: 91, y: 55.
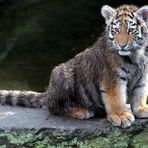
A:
x: 23, y: 98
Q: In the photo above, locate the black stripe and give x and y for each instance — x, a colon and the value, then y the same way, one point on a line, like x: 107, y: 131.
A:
x: 123, y: 78
x: 135, y: 32
x: 139, y: 86
x: 122, y: 68
x: 117, y: 16
x: 146, y: 50
x: 142, y: 30
x: 138, y: 22
x: 8, y: 99
x: 21, y: 102
x: 130, y: 16
x: 111, y: 39
x: 134, y: 24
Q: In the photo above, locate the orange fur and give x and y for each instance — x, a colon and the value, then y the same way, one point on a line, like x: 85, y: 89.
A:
x: 123, y: 38
x: 117, y: 113
x: 78, y: 112
x: 113, y: 98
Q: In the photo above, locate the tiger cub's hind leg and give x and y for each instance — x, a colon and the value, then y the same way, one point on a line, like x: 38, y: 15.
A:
x: 80, y: 113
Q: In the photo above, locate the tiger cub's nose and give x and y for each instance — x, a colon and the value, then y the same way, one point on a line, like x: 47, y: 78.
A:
x: 123, y: 45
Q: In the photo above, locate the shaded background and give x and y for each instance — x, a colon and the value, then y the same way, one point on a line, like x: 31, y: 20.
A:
x: 36, y: 35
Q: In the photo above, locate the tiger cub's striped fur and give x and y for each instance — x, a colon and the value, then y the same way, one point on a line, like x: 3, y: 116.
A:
x: 101, y: 78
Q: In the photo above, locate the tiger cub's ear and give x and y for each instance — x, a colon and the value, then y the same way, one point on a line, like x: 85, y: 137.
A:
x: 143, y: 13
x: 107, y: 12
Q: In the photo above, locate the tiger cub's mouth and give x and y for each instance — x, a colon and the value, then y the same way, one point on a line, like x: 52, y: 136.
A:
x: 124, y: 52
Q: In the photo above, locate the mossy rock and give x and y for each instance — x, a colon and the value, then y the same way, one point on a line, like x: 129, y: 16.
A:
x: 140, y: 140
x: 52, y: 138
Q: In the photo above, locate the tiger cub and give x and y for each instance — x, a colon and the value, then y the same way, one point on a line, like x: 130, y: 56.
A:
x: 101, y: 78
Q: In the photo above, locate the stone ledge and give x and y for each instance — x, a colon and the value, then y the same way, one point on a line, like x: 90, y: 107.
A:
x: 33, y: 118
x: 25, y: 127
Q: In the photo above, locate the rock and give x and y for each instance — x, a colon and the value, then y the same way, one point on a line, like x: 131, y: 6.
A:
x: 29, y: 127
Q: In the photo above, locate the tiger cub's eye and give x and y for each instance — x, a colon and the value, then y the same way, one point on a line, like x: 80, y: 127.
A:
x: 131, y: 29
x: 116, y: 29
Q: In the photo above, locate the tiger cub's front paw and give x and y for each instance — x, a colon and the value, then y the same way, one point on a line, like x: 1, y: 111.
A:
x: 122, y: 118
x: 141, y: 111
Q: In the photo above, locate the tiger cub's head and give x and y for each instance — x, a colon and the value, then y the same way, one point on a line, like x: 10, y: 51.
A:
x: 126, y: 27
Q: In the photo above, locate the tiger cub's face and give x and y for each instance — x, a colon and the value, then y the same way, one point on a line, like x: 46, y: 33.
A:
x: 127, y: 27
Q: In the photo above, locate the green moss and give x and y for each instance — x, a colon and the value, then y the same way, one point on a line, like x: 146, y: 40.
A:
x: 2, y: 146
x: 119, y: 138
x: 112, y: 138
x: 14, y: 138
x: 24, y: 138
x: 98, y: 142
x: 140, y: 140
x: 65, y: 139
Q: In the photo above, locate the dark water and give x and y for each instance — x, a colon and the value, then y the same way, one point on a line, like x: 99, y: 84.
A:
x: 36, y: 35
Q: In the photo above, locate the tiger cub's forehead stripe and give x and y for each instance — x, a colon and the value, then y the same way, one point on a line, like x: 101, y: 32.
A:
x: 126, y: 11
x: 126, y: 15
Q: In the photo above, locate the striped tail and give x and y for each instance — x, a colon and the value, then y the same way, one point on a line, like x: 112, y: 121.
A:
x: 23, y: 98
